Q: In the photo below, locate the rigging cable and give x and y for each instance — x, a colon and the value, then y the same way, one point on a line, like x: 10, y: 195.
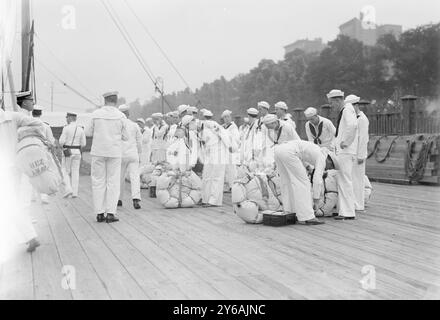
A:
x: 134, y: 49
x: 144, y: 27
x: 64, y: 65
x: 67, y: 85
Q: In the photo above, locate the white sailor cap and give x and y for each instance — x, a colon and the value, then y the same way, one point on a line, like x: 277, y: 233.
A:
x: 310, y: 112
x: 157, y: 115
x: 148, y: 119
x: 110, y: 93
x: 123, y: 107
x: 226, y: 113
x: 245, y: 119
x: 252, y: 111
x: 182, y: 108
x: 37, y: 110
x: 140, y: 120
x: 335, y: 93
x: 187, y: 119
x: 263, y: 104
x: 281, y: 105
x: 269, y: 118
x: 352, y: 99
x: 207, y: 113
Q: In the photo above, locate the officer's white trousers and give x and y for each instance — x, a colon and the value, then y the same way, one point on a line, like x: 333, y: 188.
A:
x: 71, y: 165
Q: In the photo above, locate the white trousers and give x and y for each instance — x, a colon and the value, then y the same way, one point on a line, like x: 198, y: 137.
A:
x: 132, y: 167
x: 359, y: 185
x: 295, y: 184
x: 213, y: 178
x: 106, y: 175
x: 71, y: 165
x: 344, y: 177
x: 230, y: 174
x: 146, y: 154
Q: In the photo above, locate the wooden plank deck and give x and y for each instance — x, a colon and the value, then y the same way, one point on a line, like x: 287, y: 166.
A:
x: 202, y: 253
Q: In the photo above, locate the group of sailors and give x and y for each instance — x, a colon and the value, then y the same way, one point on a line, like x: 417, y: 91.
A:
x: 267, y: 140
x: 215, y: 151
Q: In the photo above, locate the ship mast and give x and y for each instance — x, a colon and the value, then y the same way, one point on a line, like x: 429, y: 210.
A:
x: 27, y: 55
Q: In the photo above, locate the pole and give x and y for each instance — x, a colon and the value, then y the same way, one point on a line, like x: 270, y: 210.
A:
x: 12, y: 87
x: 25, y: 42
x: 51, y: 96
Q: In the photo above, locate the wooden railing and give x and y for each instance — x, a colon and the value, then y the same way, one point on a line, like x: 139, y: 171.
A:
x: 406, y: 120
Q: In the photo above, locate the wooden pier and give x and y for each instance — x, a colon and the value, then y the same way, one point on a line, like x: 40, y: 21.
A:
x: 200, y: 253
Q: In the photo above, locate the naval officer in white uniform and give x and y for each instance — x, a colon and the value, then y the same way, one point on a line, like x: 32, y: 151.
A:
x: 346, y: 142
x: 73, y: 138
x: 108, y: 131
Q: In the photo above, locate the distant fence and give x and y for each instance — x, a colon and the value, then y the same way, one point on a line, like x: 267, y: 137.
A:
x: 409, y: 119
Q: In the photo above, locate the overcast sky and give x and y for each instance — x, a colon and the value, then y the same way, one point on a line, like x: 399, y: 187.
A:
x: 204, y: 38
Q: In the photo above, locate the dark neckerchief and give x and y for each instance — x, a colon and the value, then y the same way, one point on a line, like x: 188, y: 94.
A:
x: 280, y: 129
x: 339, y: 121
x: 316, y: 136
x: 249, y: 130
x: 260, y: 123
x: 226, y: 126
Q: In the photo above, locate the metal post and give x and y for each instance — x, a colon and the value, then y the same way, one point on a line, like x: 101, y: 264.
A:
x: 409, y: 113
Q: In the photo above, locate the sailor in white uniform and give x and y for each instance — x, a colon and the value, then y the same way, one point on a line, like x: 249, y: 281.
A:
x: 146, y: 142
x: 281, y: 112
x: 131, y: 152
x: 72, y: 138
x: 247, y: 152
x: 158, y: 135
x: 290, y: 158
x: 346, y: 143
x: 361, y: 157
x: 108, y: 130
x: 319, y: 130
x: 234, y: 141
x: 216, y: 146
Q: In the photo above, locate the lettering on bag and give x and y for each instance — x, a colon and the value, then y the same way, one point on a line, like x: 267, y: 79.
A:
x: 38, y: 167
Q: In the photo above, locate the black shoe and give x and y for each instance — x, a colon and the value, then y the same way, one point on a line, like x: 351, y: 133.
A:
x: 100, y: 217
x: 136, y: 204
x: 119, y: 203
x: 111, y: 218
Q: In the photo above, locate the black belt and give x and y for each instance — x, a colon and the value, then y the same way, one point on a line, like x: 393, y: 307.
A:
x: 72, y: 147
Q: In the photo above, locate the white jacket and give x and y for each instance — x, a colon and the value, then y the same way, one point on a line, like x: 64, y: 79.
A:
x: 347, y: 131
x: 108, y: 131
x: 69, y: 138
x: 363, y: 137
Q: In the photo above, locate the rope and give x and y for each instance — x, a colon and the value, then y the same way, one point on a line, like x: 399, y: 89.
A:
x: 416, y: 171
x: 376, y: 149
